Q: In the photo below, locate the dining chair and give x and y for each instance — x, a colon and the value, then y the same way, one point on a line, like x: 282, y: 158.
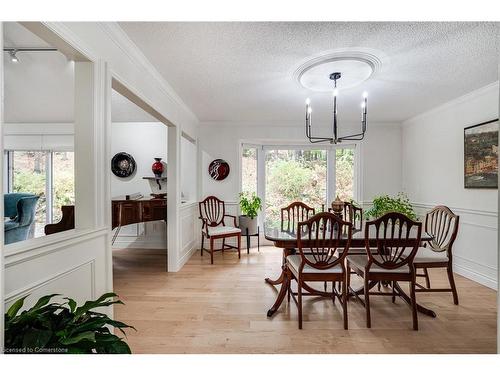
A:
x: 212, y: 215
x: 391, y: 243
x: 324, y: 260
x: 442, y: 224
x: 353, y: 214
x: 295, y: 213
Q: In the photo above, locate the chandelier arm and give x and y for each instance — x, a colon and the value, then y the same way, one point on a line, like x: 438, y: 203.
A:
x: 320, y: 138
x: 356, y: 137
x: 352, y: 135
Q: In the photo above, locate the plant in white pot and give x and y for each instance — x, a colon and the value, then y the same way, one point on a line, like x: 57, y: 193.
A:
x: 250, y: 205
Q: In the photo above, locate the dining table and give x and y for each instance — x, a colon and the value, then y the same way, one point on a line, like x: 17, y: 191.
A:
x: 284, y: 236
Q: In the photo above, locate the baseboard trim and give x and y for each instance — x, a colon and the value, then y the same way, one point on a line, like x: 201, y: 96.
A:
x: 183, y: 260
x: 475, y: 276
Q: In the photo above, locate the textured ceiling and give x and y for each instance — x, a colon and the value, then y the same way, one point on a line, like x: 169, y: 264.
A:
x: 243, y: 72
x: 39, y: 89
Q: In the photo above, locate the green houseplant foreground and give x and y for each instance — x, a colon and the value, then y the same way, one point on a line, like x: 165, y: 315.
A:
x: 50, y: 327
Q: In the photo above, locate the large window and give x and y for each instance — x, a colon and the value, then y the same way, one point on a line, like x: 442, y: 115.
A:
x: 48, y: 174
x: 281, y: 175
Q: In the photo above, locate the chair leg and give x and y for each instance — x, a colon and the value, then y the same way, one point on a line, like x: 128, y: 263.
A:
x: 344, y: 304
x: 367, y: 302
x: 202, y: 241
x: 452, y: 283
x: 427, y: 279
x: 223, y: 245
x: 393, y: 293
x: 348, y: 280
x: 211, y: 250
x: 239, y: 246
x: 299, y: 302
x: 413, y: 305
x: 288, y: 292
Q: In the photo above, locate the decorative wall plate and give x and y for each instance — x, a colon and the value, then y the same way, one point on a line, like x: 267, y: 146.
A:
x: 123, y: 165
x: 218, y: 169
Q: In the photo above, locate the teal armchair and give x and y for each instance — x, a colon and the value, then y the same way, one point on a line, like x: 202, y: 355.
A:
x: 19, y: 213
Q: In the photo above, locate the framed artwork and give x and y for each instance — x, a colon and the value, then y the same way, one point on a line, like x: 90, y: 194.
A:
x: 218, y: 169
x: 481, y: 156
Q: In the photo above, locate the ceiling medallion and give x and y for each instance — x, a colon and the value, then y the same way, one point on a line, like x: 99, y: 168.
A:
x: 356, y: 67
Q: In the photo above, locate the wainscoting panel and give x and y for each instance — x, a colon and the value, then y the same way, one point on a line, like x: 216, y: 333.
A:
x: 189, y: 227
x: 75, y: 269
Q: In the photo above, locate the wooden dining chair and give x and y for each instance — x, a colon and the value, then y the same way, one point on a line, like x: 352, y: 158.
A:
x: 212, y: 215
x: 295, y: 213
x: 320, y: 236
x: 442, y: 224
x: 353, y: 214
x: 391, y: 243
x: 350, y: 213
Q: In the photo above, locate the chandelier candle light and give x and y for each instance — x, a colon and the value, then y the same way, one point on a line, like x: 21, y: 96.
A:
x: 336, y: 139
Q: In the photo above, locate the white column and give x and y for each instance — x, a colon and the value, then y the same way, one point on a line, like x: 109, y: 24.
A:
x: 85, y: 148
x: 92, y: 152
x: 173, y: 198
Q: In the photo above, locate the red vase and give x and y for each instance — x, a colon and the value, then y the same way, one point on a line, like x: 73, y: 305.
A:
x: 157, y: 168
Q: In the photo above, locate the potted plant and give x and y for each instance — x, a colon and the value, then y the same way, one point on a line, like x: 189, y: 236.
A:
x: 250, y: 205
x: 50, y: 327
x: 384, y: 204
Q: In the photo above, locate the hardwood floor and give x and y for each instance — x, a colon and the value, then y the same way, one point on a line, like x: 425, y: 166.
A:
x: 221, y: 308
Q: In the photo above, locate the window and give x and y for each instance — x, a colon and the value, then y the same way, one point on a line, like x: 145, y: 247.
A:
x: 249, y: 170
x: 311, y: 175
x: 344, y: 173
x: 63, y: 182
x: 48, y: 174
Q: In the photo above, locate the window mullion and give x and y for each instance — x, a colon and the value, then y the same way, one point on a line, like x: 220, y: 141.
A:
x: 330, y: 177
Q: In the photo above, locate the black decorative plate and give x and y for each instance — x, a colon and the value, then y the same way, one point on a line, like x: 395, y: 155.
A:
x: 123, y: 165
x: 218, y: 169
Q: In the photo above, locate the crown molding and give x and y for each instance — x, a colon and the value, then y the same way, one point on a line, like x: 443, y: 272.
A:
x: 129, y: 48
x: 492, y: 87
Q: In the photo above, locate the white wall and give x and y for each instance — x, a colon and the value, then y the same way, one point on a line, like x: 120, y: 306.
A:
x: 433, y: 167
x: 144, y: 141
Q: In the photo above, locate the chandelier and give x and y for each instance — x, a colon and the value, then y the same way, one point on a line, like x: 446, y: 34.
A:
x: 336, y: 139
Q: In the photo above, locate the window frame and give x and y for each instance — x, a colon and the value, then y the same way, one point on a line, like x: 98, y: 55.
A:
x: 331, y: 185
